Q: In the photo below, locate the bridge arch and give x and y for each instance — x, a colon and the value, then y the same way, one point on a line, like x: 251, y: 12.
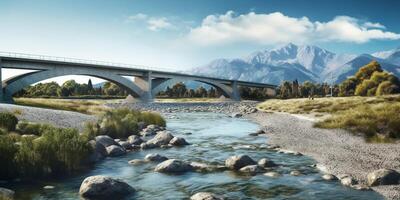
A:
x: 160, y: 85
x: 15, y: 84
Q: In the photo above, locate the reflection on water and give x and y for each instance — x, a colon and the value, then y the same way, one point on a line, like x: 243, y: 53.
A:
x: 215, y: 137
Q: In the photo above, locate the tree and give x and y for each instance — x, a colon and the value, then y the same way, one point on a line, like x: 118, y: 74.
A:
x: 90, y: 86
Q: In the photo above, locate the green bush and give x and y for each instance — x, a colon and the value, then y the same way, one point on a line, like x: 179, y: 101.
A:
x: 57, y: 152
x: 8, y: 121
x: 121, y: 123
x: 7, y: 153
x: 31, y: 128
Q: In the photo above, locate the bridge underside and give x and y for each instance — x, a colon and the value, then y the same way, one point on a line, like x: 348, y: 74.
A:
x: 144, y: 87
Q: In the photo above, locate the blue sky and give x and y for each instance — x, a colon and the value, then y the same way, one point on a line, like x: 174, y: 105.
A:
x: 179, y: 34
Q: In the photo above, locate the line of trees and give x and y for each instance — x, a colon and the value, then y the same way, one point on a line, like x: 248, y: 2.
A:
x: 180, y: 90
x: 370, y: 80
x: 71, y: 88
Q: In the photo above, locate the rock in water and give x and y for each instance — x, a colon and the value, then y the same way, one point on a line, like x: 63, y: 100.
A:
x: 178, y: 141
x: 251, y: 169
x: 205, y: 196
x: 115, y: 150
x: 105, y: 140
x: 103, y: 187
x: 348, y: 181
x: 135, y: 139
x: 264, y: 162
x: 173, y: 166
x: 329, y: 177
x: 383, y: 177
x: 162, y: 138
x: 237, y: 162
x: 6, y: 194
x: 154, y: 157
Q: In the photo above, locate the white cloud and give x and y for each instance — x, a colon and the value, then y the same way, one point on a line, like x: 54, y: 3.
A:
x: 156, y: 24
x: 153, y: 23
x: 277, y: 28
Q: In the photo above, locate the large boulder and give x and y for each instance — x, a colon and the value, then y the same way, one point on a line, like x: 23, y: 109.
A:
x: 115, y: 150
x: 103, y: 187
x: 237, y: 162
x: 6, y: 194
x: 173, y: 166
x: 151, y: 129
x: 178, y: 141
x: 154, y: 157
x: 205, y: 196
x: 264, y: 162
x: 105, y: 140
x: 162, y: 138
x: 99, y: 151
x: 135, y: 140
x: 383, y: 177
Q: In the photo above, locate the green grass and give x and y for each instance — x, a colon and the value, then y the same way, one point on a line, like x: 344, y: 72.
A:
x: 376, y: 117
x: 81, y: 106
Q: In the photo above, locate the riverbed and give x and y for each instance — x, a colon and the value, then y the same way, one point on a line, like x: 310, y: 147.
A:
x: 214, y: 137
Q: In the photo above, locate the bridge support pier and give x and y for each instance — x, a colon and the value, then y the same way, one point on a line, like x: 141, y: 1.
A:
x: 235, y: 91
x: 145, y: 83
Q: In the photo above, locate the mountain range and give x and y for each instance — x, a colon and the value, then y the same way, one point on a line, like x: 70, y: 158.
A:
x: 301, y: 62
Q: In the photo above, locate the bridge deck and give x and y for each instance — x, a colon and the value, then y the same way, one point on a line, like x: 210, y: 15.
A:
x: 30, y: 58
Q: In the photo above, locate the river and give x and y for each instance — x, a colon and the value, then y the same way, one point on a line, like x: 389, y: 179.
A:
x: 214, y: 138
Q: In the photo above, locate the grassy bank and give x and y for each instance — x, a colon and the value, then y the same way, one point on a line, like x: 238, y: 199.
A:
x: 188, y: 100
x: 377, y: 117
x: 76, y: 105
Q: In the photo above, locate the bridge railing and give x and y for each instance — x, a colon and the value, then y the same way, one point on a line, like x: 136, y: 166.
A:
x: 92, y: 62
x: 80, y: 61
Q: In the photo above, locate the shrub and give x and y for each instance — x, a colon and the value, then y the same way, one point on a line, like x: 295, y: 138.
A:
x: 57, y: 152
x: 121, y: 123
x: 8, y: 121
x: 31, y: 128
x: 7, y: 153
x: 386, y: 87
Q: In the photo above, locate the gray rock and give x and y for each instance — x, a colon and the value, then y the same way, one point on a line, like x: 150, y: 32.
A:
x: 329, y: 177
x: 173, y: 166
x: 178, y: 141
x: 383, y: 177
x: 251, y: 169
x: 126, y: 145
x: 205, y: 196
x: 348, y: 181
x: 272, y: 174
x: 99, y: 151
x: 148, y: 146
x: 103, y: 187
x: 237, y: 162
x: 237, y: 115
x: 361, y: 187
x: 135, y: 140
x: 162, y: 138
x: 115, y: 150
x: 6, y: 194
x: 295, y: 173
x: 136, y: 162
x: 105, y: 140
x: 264, y: 162
x: 154, y: 157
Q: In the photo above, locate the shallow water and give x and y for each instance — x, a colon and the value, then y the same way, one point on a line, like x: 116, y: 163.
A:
x: 215, y: 137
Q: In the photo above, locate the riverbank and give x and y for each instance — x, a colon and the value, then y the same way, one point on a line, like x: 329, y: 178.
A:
x: 337, y: 151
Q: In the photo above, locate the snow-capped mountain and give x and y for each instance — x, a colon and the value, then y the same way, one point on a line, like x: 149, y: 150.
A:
x: 292, y: 62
